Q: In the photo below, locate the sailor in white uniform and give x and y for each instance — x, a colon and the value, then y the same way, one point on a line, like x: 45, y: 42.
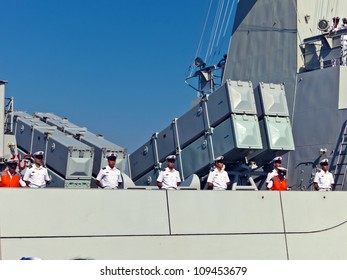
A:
x: 277, y: 162
x: 37, y: 176
x: 169, y: 178
x: 109, y: 177
x: 323, y: 180
x: 218, y: 179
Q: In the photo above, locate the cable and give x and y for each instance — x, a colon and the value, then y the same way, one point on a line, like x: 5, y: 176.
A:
x: 230, y: 13
x: 201, y: 37
x: 211, y: 34
x: 221, y: 4
x: 223, y: 21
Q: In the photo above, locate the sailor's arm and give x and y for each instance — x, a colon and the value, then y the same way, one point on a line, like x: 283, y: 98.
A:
x: 22, y: 183
x: 160, y: 180
x: 210, y: 180
x: 315, y: 181
x: 269, y: 185
x: 26, y: 177
x: 98, y: 179
x: 178, y: 178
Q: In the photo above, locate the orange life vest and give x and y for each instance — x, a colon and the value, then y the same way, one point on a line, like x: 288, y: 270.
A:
x: 279, y: 185
x: 7, y: 181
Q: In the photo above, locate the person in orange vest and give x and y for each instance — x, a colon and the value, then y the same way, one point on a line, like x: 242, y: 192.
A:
x: 279, y: 182
x: 277, y: 162
x: 9, y: 178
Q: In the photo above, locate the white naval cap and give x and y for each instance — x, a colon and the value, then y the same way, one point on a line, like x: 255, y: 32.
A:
x: 276, y: 159
x: 171, y: 157
x: 282, y: 169
x: 11, y: 161
x: 38, y: 153
x: 221, y: 158
x: 111, y: 155
x: 324, y: 161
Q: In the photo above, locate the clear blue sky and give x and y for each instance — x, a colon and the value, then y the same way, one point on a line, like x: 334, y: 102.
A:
x: 115, y: 67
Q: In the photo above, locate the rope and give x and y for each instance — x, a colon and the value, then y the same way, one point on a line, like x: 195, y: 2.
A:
x: 203, y: 33
x: 217, y: 27
x: 214, y: 27
x: 223, y: 21
x: 220, y: 23
x: 230, y: 13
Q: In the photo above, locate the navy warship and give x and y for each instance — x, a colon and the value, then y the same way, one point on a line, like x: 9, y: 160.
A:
x: 282, y: 92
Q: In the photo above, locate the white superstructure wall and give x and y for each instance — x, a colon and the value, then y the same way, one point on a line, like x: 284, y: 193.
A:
x: 309, y: 12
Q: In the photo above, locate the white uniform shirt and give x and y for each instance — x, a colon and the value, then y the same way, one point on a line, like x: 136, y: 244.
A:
x: 109, y: 177
x: 37, y: 177
x: 324, y: 180
x: 169, y: 178
x: 270, y: 175
x: 270, y: 184
x: 219, y: 179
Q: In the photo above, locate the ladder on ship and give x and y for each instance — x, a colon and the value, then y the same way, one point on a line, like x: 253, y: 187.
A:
x: 341, y: 163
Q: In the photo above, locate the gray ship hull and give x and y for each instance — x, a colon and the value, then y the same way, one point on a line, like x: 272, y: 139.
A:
x: 142, y: 224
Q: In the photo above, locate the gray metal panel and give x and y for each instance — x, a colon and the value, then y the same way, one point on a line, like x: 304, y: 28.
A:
x: 273, y: 99
x: 231, y: 97
x: 52, y: 119
x: 98, y: 142
x: 65, y: 155
x: 192, y: 124
x: 142, y: 160
x: 224, y: 142
x: 258, y: 211
x: 149, y: 179
x: 264, y: 50
x: 59, y: 182
x: 83, y: 212
x: 233, y: 138
x: 166, y: 142
x: 279, y: 133
x: 322, y: 245
x: 23, y: 132
x: 247, y: 133
x: 317, y: 122
x: 319, y: 53
x: 298, y: 225
x: 235, y: 146
x: 75, y: 160
x: 24, y: 128
x: 197, y: 247
x: 317, y: 234
x: 265, y: 155
x: 101, y: 147
x: 196, y: 156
